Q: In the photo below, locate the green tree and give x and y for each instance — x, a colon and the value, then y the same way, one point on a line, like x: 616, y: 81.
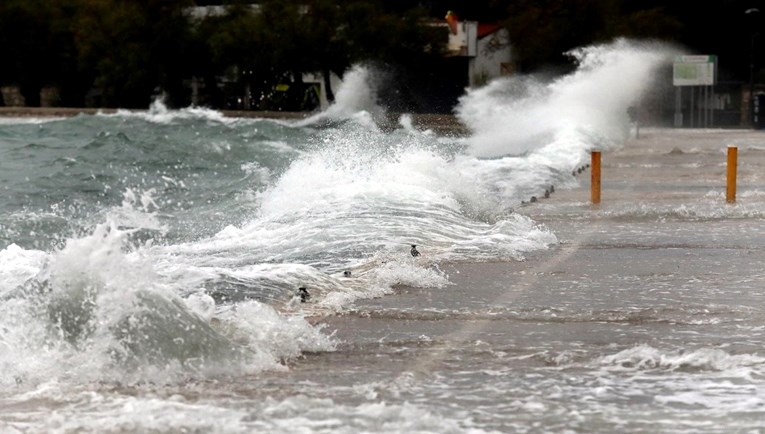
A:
x: 329, y: 51
x: 237, y: 47
x: 543, y: 31
x: 651, y: 23
x: 283, y: 39
x: 132, y: 48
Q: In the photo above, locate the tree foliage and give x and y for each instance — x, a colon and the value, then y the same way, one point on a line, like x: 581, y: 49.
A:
x: 124, y: 52
x: 35, y: 42
x: 130, y: 48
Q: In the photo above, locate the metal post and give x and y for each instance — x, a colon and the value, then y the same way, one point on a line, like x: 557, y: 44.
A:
x: 730, y: 195
x: 706, y: 106
x: 595, y: 172
x: 702, y: 106
x: 692, y: 109
x: 637, y: 120
x: 714, y: 107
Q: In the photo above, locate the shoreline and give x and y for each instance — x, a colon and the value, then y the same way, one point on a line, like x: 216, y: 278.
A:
x: 443, y: 124
x: 28, y: 112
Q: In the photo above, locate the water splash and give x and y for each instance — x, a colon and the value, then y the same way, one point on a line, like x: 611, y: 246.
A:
x: 356, y: 100
x: 100, y: 311
x: 587, y: 108
x: 158, y: 113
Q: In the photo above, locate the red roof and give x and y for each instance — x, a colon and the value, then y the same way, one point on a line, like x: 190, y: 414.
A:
x: 486, y: 29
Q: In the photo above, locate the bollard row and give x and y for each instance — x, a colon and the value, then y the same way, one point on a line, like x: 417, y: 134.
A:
x: 732, y: 169
x: 547, y: 193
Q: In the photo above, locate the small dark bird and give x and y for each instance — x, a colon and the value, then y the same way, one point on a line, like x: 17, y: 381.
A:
x: 552, y: 189
x: 303, y: 294
x: 547, y: 194
x: 414, y: 250
x: 346, y: 273
x: 533, y: 199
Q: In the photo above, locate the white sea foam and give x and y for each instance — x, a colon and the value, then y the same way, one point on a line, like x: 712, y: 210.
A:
x: 99, y: 312
x: 324, y: 415
x: 28, y: 120
x: 361, y: 201
x: 89, y: 411
x: 158, y: 113
x: 646, y: 357
x: 104, y: 412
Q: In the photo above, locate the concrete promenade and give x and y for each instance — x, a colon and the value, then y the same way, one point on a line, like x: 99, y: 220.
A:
x: 663, y: 213
x: 664, y: 174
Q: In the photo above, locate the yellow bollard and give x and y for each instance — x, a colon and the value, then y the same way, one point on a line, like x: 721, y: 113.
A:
x: 730, y: 195
x: 595, y: 184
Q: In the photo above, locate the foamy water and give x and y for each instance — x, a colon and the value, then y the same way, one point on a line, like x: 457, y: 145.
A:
x: 150, y: 262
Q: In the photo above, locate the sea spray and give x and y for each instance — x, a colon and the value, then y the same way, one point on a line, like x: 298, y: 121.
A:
x: 356, y: 100
x: 512, y: 116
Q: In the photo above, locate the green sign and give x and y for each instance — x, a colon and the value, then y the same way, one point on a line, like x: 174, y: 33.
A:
x: 694, y: 70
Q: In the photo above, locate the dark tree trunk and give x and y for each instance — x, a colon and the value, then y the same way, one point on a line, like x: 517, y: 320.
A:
x: 328, y: 86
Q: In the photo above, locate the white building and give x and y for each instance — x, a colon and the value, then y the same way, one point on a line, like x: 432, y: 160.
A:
x: 487, y: 46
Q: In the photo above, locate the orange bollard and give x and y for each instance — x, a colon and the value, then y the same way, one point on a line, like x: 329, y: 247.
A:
x: 595, y: 184
x: 730, y: 195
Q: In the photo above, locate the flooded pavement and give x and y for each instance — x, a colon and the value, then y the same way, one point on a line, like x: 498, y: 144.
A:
x: 648, y: 316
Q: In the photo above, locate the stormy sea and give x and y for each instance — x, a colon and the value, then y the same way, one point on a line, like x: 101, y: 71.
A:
x: 150, y: 263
